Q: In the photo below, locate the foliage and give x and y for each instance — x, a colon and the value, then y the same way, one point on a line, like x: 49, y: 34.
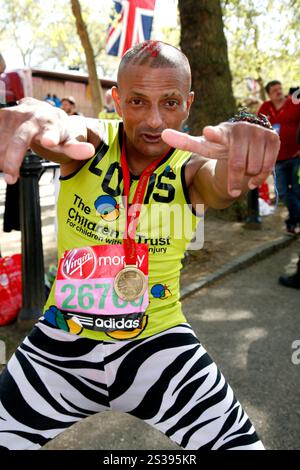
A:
x: 263, y: 41
x: 47, y: 37
x: 263, y: 37
x: 22, y: 22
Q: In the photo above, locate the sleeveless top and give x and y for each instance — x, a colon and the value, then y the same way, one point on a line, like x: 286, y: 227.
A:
x: 167, y: 224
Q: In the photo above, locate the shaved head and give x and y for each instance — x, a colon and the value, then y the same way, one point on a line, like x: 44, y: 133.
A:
x: 153, y: 94
x: 155, y: 54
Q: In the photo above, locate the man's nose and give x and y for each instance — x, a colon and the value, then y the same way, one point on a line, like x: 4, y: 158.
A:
x: 154, y: 119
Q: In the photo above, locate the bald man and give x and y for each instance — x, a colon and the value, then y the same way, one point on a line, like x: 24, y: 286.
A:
x: 113, y: 335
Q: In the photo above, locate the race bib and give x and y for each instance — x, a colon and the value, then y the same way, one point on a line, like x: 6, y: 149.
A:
x: 85, y: 285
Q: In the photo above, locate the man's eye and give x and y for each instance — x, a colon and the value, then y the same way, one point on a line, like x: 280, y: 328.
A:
x: 172, y: 103
x: 136, y: 101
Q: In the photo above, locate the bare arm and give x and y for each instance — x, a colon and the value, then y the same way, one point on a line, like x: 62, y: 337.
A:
x: 235, y: 157
x: 47, y: 130
x: 207, y: 182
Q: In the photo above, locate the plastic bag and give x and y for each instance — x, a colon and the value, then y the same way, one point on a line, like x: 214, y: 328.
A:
x: 10, y: 288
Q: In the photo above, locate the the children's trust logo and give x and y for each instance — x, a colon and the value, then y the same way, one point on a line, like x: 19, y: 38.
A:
x: 107, y: 207
x: 160, y: 291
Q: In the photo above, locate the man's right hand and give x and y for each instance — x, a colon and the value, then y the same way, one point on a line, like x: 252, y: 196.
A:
x: 36, y: 122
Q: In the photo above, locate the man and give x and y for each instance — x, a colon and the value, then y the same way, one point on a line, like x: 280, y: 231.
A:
x: 68, y: 105
x: 293, y: 280
x: 113, y: 336
x: 109, y: 111
x: 284, y: 115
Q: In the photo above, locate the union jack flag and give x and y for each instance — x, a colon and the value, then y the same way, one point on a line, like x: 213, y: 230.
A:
x: 131, y: 24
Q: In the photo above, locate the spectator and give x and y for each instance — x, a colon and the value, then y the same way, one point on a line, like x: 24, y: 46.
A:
x: 109, y: 111
x: 48, y: 99
x: 57, y: 101
x: 284, y: 115
x: 294, y: 279
x: 68, y: 104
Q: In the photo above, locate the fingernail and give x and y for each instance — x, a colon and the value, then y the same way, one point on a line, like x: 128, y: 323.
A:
x: 235, y: 192
x: 252, y: 186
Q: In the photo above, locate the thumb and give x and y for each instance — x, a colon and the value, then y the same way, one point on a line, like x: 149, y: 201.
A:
x: 200, y: 145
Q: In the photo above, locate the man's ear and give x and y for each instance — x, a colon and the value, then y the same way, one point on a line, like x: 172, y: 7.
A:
x: 190, y: 101
x: 116, y: 97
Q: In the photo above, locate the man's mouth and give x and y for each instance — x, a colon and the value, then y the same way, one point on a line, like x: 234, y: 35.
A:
x: 151, y: 138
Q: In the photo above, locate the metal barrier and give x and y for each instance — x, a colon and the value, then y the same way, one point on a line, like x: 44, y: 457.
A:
x: 33, y: 283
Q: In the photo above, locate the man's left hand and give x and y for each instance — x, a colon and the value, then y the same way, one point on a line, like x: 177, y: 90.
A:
x: 251, y: 150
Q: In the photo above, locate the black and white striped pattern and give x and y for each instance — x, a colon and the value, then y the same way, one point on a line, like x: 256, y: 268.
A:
x: 168, y: 380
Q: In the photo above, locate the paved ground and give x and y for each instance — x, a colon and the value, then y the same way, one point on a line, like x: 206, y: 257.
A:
x: 248, y: 324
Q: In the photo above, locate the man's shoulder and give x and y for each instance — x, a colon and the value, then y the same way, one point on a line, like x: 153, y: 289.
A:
x: 110, y: 129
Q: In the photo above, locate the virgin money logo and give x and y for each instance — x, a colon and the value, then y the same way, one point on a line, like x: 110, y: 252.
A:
x: 79, y: 263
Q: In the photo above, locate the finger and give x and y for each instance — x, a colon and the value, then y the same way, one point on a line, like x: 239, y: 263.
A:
x: 256, y: 150
x: 272, y: 146
x: 16, y: 150
x: 75, y: 149
x: 50, y: 137
x: 237, y: 160
x: 199, y: 145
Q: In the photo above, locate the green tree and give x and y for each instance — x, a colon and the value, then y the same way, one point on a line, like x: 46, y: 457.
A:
x: 204, y: 43
x: 47, y: 37
x: 62, y: 44
x: 263, y: 42
x: 21, y: 22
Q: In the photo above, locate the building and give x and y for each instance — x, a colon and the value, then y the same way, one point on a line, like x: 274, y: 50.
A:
x: 46, y: 82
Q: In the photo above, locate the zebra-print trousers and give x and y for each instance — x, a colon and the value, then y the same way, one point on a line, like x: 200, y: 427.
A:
x: 55, y: 379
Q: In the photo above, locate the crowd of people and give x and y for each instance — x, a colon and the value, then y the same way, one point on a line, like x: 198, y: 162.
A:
x: 67, y: 104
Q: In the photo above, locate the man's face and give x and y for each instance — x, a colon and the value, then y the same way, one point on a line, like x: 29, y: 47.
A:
x: 67, y: 106
x: 150, y: 100
x: 276, y: 93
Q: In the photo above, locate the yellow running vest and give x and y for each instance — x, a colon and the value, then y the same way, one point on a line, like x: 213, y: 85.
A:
x: 167, y: 224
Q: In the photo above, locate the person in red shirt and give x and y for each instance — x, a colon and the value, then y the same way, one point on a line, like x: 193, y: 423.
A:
x: 284, y: 114
x: 294, y: 279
